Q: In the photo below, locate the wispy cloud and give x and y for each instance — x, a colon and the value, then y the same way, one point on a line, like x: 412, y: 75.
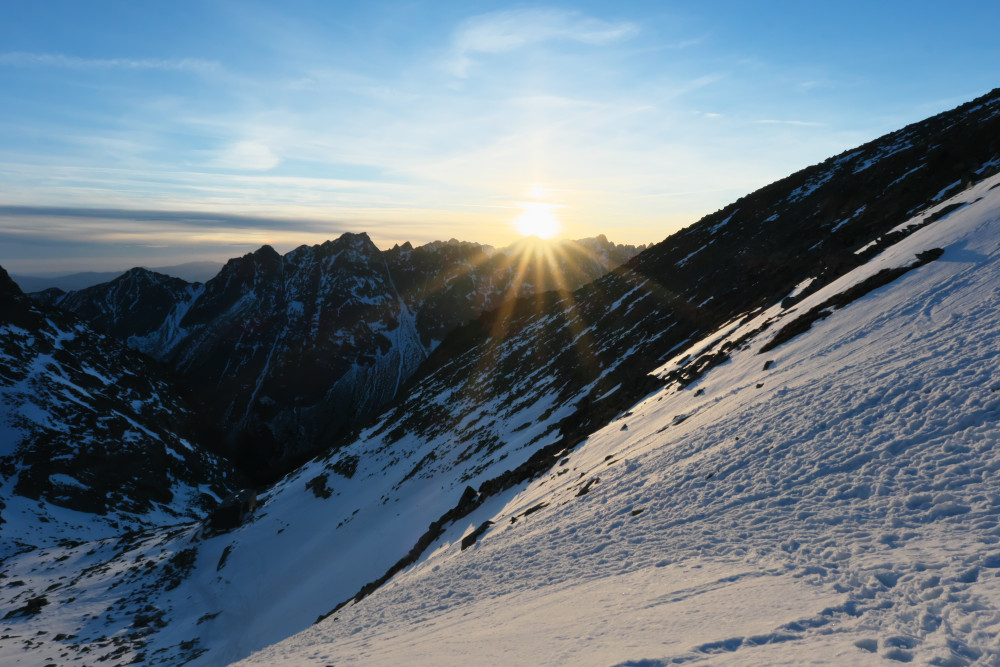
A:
x: 23, y: 59
x: 503, y: 31
x: 247, y: 155
x: 187, y: 218
x: 800, y: 123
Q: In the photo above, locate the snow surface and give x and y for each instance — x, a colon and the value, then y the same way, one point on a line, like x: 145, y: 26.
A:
x: 841, y: 507
x: 62, y: 397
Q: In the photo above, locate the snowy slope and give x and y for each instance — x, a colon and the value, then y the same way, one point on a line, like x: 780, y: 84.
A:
x: 843, y: 512
x: 520, y: 392
x: 94, y: 440
x: 840, y: 507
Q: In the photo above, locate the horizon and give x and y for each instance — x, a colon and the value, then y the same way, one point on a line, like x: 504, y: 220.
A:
x: 283, y: 250
x: 201, y: 131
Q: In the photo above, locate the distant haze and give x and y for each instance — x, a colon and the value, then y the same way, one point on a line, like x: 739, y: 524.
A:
x: 194, y: 272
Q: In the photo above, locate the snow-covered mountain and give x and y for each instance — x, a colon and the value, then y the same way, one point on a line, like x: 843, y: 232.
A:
x: 289, y: 352
x: 133, y: 307
x: 94, y: 441
x: 831, y: 500
x: 770, y: 439
x: 190, y: 271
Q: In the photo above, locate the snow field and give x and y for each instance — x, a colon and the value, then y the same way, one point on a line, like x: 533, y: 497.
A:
x: 841, y: 507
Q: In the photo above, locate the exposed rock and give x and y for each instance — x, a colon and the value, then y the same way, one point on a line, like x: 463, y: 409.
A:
x: 232, y: 511
x: 91, y: 426
x: 288, y: 353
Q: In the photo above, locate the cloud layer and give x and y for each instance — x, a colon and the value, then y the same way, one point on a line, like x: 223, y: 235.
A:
x: 503, y: 31
x: 199, y: 125
x: 21, y: 59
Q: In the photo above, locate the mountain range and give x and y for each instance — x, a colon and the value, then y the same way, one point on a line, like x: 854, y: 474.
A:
x: 768, y: 439
x: 287, y: 353
x: 197, y: 272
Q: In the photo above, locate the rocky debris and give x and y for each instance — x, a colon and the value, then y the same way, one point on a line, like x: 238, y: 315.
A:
x: 93, y: 426
x: 803, y: 322
x: 346, y: 466
x: 318, y: 486
x: 30, y: 608
x: 232, y: 511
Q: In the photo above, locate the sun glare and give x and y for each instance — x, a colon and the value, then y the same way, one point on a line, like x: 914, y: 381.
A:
x: 537, y: 219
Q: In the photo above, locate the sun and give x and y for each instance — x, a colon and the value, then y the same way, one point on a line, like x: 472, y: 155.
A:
x: 537, y: 219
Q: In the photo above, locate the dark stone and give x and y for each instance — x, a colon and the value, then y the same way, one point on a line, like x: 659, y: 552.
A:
x: 346, y: 467
x: 929, y: 255
x: 232, y: 511
x: 804, y: 322
x: 468, y: 497
x: 471, y: 538
x: 224, y: 557
x: 532, y: 510
x: 30, y: 608
x: 318, y: 486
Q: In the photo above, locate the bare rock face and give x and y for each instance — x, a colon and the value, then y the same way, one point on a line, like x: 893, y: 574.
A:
x: 288, y: 351
x: 9, y: 291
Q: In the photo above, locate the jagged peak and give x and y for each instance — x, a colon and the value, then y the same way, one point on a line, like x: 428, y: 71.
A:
x: 438, y: 246
x: 9, y: 291
x: 142, y: 274
x: 357, y: 242
x: 356, y: 238
x: 599, y: 240
x: 264, y: 254
x: 265, y: 251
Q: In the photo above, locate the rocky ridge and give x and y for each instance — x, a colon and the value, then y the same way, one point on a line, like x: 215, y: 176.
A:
x: 289, y: 352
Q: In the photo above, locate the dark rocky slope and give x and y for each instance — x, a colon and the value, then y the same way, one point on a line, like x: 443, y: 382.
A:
x: 288, y: 352
x: 89, y: 425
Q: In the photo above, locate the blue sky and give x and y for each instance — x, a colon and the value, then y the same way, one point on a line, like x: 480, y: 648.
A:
x: 159, y: 132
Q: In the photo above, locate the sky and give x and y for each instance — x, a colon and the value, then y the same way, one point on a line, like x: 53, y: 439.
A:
x: 161, y: 132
